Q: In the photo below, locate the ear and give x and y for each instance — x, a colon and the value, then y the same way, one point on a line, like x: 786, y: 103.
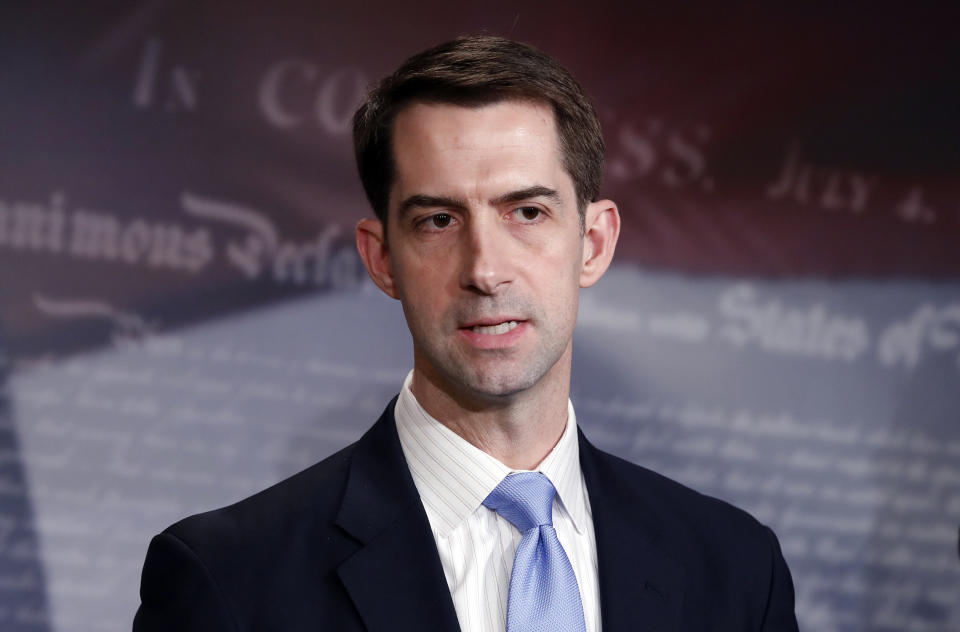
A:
x: 376, y: 257
x: 601, y: 230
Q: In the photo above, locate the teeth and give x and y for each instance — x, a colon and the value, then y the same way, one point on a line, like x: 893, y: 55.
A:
x: 496, y: 330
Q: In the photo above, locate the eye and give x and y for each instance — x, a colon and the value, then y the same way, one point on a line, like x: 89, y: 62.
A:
x: 438, y: 221
x: 528, y: 213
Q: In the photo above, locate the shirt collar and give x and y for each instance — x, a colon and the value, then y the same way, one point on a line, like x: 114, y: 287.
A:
x: 453, y: 476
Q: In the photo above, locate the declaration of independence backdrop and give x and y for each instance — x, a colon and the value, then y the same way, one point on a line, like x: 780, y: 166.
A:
x: 184, y: 320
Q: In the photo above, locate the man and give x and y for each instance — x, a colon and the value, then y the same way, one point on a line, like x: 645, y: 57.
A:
x: 474, y: 502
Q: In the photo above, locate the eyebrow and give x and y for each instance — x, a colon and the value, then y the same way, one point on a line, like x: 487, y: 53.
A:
x: 529, y: 193
x: 434, y: 201
x: 429, y: 201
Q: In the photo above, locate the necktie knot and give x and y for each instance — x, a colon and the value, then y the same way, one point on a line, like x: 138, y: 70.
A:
x: 525, y: 499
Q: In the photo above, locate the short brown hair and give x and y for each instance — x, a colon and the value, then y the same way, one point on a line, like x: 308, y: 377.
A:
x: 473, y: 71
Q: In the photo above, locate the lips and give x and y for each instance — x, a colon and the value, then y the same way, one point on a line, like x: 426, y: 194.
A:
x: 493, y: 326
x: 495, y: 330
x: 495, y: 334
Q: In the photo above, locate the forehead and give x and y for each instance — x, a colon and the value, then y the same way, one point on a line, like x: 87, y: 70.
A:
x: 438, y: 144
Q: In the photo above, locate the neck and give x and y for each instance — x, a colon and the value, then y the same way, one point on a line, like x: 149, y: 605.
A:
x: 519, y: 430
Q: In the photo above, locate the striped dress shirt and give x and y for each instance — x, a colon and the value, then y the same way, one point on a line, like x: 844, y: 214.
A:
x: 476, y: 545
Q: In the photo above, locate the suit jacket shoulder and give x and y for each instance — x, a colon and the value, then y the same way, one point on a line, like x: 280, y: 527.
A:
x: 312, y: 552
x: 253, y: 564
x: 280, y: 516
x: 696, y: 561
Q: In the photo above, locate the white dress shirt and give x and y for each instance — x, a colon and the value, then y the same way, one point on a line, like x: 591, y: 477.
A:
x: 476, y: 545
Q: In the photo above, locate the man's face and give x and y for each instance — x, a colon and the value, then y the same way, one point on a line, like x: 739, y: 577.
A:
x: 485, y: 247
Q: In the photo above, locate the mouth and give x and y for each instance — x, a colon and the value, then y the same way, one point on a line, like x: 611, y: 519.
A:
x: 495, y: 332
x: 495, y: 329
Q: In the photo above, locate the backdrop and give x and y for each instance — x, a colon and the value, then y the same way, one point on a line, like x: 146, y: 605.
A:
x: 184, y: 319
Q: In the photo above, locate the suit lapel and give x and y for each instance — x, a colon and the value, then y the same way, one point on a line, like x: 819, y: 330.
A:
x: 641, y: 588
x: 395, y: 579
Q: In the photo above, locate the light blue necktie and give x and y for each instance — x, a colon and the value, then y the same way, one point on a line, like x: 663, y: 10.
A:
x: 544, y: 596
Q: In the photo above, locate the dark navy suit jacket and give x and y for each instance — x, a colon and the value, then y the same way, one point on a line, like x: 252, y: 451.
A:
x: 346, y: 545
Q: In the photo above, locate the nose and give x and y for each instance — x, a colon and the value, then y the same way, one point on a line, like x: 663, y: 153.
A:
x: 487, y: 266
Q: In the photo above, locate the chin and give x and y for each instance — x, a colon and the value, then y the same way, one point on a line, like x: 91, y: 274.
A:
x: 500, y: 389
x: 492, y: 379
x: 497, y: 385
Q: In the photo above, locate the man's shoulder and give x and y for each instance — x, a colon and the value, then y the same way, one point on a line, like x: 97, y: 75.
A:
x: 303, y: 506
x: 734, y: 574
x: 678, y: 513
x: 269, y: 555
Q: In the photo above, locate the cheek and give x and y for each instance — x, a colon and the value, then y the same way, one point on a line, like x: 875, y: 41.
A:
x: 563, y: 262
x: 559, y: 284
x: 421, y: 286
x: 567, y: 281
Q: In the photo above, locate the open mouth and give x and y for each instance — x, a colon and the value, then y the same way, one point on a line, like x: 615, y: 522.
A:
x: 495, y: 330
